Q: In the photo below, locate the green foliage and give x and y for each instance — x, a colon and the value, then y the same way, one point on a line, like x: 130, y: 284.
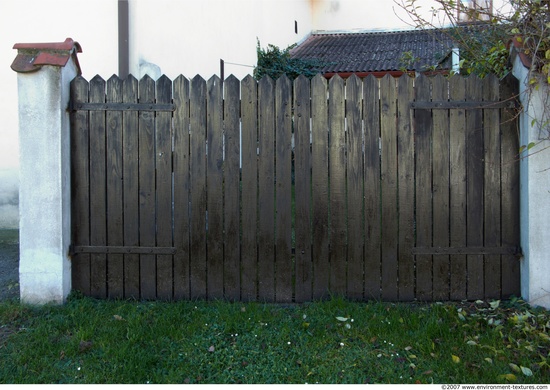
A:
x: 489, y: 40
x: 483, y: 40
x: 274, y: 62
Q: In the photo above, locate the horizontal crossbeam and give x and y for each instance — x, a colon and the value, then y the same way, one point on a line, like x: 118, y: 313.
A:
x: 155, y: 250
x: 471, y: 105
x: 80, y: 106
x: 472, y: 250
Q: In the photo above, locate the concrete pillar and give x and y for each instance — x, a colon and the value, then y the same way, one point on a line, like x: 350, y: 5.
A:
x: 44, y: 72
x: 534, y: 185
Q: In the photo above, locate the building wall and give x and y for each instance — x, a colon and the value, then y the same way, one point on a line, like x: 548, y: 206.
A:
x: 190, y: 37
x: 91, y: 23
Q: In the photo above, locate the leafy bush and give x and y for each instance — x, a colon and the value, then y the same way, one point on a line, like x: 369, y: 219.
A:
x: 274, y: 62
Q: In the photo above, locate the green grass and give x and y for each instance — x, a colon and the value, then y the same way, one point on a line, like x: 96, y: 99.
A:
x: 336, y: 341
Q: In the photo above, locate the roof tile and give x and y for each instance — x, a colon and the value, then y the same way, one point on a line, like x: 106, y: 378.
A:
x: 376, y: 51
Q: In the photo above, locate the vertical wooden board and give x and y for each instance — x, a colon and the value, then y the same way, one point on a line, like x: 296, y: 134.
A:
x: 319, y: 189
x: 388, y: 168
x: 181, y: 188
x: 266, y: 190
x: 354, y: 173
x: 197, y: 165
x: 475, y: 188
x: 130, y: 167
x: 457, y: 188
x: 147, y: 200
x: 440, y: 169
x: 302, y: 180
x: 98, y: 201
x: 492, y: 193
x: 405, y: 168
x: 163, y: 154
x: 80, y: 183
x: 337, y: 184
x: 214, y: 184
x: 509, y: 130
x: 249, y: 197
x: 423, y: 127
x: 115, y: 230
x: 283, y: 190
x: 371, y: 117
x: 232, y: 263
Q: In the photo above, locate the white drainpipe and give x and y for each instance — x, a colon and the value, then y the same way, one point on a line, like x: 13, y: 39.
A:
x: 456, y: 60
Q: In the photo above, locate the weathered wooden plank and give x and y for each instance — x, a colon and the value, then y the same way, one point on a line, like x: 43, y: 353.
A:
x: 283, y: 190
x: 130, y: 174
x: 180, y: 163
x: 232, y: 263
x: 457, y: 188
x: 354, y: 173
x: 388, y: 167
x: 405, y: 178
x: 319, y: 183
x: 423, y: 128
x: 147, y: 199
x: 163, y: 153
x: 475, y: 188
x: 492, y: 192
x: 197, y: 165
x: 80, y: 182
x: 337, y: 186
x: 214, y: 184
x: 98, y: 201
x: 510, y: 187
x: 266, y: 190
x: 302, y: 179
x: 371, y: 112
x: 115, y: 230
x: 440, y: 163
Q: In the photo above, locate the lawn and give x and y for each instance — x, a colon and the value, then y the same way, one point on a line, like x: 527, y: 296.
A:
x: 334, y: 341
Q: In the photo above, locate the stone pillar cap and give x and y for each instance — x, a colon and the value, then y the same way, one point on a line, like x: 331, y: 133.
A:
x: 32, y: 56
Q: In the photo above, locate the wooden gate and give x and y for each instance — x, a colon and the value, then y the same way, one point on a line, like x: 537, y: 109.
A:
x: 392, y: 189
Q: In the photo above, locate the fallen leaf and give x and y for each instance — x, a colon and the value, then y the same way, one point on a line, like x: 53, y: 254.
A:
x: 508, y: 377
x: 514, y: 367
x: 489, y: 360
x: 211, y: 349
x: 117, y: 317
x: 471, y: 342
x: 408, y: 348
x: 494, y: 304
x: 456, y: 359
x: 526, y: 371
x: 429, y: 372
x: 342, y: 319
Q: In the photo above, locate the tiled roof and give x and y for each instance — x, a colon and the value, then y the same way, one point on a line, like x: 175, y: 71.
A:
x: 377, y: 51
